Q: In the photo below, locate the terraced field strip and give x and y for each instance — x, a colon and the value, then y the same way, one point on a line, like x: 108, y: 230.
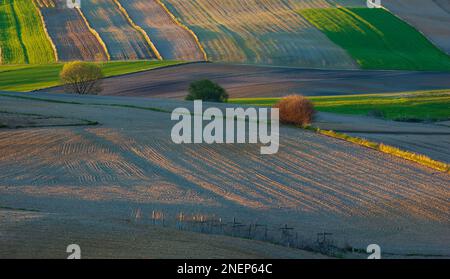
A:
x: 73, y: 38
x: 172, y: 39
x: 429, y: 17
x: 35, y: 38
x: 123, y: 41
x: 405, y: 106
x: 23, y: 38
x: 205, y: 56
x: 95, y: 33
x: 262, y: 32
x: 12, y: 49
x: 377, y: 39
x: 25, y: 78
x: 40, y: 3
x: 139, y: 29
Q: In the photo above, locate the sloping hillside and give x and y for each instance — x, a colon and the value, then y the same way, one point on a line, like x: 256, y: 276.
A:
x: 432, y: 18
x: 122, y: 40
x: 266, y: 32
x: 69, y: 32
x: 12, y: 49
x: 377, y: 39
x: 22, y: 37
x: 314, y: 183
x: 172, y: 40
x: 263, y: 32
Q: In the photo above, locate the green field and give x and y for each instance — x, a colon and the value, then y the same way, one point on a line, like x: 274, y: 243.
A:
x: 23, y: 78
x: 376, y: 39
x: 22, y: 36
x: 406, y: 106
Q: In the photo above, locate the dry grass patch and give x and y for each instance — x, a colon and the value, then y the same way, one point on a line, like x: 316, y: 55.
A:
x: 295, y: 109
x: 407, y: 155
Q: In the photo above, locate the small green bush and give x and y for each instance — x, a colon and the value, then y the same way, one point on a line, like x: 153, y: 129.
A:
x: 208, y: 91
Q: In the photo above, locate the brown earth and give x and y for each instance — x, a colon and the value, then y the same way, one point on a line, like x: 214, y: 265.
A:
x: 259, y: 81
x: 69, y: 33
x: 122, y: 40
x: 172, y: 41
x: 313, y: 184
x: 260, y: 32
x: 25, y: 234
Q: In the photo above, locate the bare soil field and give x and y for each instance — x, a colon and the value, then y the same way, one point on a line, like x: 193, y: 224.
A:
x: 172, y: 41
x: 122, y: 40
x: 257, y: 81
x: 260, y: 32
x: 428, y: 17
x: 128, y: 162
x: 69, y: 33
x: 25, y: 234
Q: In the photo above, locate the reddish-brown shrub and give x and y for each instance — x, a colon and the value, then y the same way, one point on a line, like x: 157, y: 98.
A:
x: 295, y: 109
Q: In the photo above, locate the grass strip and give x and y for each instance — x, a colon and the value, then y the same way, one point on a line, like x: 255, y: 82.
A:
x: 397, y: 152
x: 377, y: 39
x: 414, y: 106
x: 24, y: 78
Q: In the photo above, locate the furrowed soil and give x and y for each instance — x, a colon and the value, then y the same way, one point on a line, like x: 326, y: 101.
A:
x: 172, y: 41
x: 122, y: 40
x: 26, y: 234
x: 70, y: 34
x: 128, y: 162
x: 260, y: 32
x: 244, y: 81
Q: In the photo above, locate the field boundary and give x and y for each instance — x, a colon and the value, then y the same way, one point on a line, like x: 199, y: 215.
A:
x: 417, y: 29
x: 356, y: 27
x: 44, y: 26
x: 133, y: 73
x: 190, y: 31
x: 95, y: 33
x: 139, y: 29
x: 387, y: 149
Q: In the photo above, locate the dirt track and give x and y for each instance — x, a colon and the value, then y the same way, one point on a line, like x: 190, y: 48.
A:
x: 257, y: 81
x: 314, y: 183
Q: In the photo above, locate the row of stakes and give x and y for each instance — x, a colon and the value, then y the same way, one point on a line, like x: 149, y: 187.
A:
x: 213, y: 225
